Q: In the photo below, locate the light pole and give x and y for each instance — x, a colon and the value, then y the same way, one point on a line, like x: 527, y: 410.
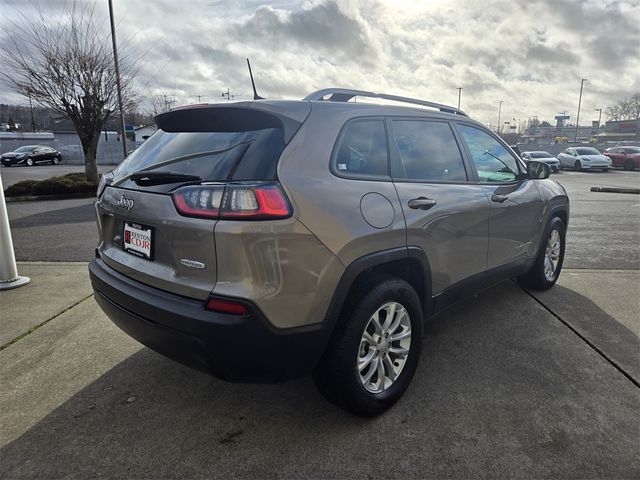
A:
x: 33, y: 125
x: 118, y: 86
x: 575, y: 139
x: 499, y: 112
x: 459, y: 94
x: 599, y: 110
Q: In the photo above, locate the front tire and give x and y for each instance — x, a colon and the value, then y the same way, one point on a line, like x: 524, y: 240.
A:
x: 29, y: 162
x: 577, y: 166
x: 546, y: 269
x: 375, y: 348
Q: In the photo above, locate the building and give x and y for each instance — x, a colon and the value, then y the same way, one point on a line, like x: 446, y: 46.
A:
x: 620, y: 131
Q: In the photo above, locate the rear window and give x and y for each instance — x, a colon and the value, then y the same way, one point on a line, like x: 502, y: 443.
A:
x: 540, y: 155
x: 213, y: 156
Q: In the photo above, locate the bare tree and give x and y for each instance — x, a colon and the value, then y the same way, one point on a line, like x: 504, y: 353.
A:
x: 626, y: 109
x: 67, y: 65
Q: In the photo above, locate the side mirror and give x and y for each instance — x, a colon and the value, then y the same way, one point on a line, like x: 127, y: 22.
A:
x: 538, y: 170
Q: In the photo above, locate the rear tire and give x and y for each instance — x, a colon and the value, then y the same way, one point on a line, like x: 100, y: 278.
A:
x: 29, y: 162
x: 546, y: 269
x: 629, y: 165
x: 55, y: 161
x: 357, y: 338
x: 577, y: 166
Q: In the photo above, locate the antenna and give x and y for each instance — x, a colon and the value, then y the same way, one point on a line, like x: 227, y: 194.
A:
x: 253, y: 84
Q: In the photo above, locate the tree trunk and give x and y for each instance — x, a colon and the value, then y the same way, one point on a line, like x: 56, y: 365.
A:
x: 90, y: 148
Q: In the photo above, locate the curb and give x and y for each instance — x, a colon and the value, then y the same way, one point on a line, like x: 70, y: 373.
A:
x: 615, y: 190
x: 38, y: 198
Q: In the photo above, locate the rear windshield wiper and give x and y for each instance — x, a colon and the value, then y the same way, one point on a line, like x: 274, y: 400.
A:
x: 147, y: 179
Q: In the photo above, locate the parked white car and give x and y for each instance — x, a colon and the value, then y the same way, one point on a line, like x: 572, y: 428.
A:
x: 541, y: 156
x: 584, y: 158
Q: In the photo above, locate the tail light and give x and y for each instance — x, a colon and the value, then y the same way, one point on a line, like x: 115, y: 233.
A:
x: 235, y: 201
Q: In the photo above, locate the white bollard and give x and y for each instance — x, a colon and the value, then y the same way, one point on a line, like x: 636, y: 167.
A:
x: 9, y: 277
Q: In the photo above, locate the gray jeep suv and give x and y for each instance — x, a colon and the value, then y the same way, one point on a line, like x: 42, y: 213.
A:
x: 267, y: 240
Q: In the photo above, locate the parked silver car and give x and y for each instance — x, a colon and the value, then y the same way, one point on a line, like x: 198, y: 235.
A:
x: 268, y: 240
x: 584, y: 158
x: 541, y: 156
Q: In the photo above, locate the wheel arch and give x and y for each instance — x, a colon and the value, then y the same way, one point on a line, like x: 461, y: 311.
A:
x: 408, y: 263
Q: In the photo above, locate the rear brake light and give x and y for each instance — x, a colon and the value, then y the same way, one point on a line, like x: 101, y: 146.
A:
x: 226, y: 306
x: 255, y: 201
x: 199, y: 201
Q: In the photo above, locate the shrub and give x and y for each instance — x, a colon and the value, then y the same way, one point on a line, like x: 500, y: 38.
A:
x: 67, y: 184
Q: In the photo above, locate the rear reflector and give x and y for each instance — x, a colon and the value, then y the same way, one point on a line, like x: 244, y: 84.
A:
x: 235, y: 201
x: 226, y: 306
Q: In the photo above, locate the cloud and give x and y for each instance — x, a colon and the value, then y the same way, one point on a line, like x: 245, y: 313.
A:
x: 531, y: 54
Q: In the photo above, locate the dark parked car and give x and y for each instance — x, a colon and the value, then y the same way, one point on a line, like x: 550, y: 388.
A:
x: 268, y: 240
x: 626, y: 157
x: 30, y: 155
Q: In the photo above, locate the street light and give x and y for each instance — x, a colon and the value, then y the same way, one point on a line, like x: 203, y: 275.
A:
x: 599, y: 110
x: 499, y: 112
x: 118, y: 86
x: 575, y: 139
x: 459, y: 94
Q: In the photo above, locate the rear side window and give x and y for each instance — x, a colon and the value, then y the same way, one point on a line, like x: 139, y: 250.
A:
x: 362, y: 150
x: 428, y: 151
x: 213, y: 156
x: 492, y: 160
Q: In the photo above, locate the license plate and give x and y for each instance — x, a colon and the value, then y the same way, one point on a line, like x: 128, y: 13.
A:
x: 138, y: 240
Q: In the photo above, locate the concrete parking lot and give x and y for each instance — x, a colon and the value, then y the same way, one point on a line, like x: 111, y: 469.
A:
x: 11, y: 175
x: 511, y: 384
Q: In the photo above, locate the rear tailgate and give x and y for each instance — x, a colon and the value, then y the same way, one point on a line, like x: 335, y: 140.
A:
x: 143, y: 236
x: 183, y: 257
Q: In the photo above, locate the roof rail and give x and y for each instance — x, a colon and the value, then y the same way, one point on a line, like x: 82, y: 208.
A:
x: 346, y: 94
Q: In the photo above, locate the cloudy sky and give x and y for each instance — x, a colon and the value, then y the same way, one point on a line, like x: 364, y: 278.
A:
x: 529, y: 53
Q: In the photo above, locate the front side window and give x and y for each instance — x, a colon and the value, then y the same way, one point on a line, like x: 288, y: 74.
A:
x: 492, y: 161
x: 428, y: 151
x: 362, y: 150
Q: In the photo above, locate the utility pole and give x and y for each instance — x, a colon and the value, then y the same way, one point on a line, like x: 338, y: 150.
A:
x: 228, y: 95
x: 119, y: 87
x: 499, y: 112
x: 599, y: 110
x: 33, y: 125
x: 199, y: 97
x: 575, y: 139
x: 459, y: 94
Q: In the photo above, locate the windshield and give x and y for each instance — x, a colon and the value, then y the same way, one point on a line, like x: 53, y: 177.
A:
x: 24, y: 149
x: 212, y: 156
x: 587, y: 151
x: 540, y: 155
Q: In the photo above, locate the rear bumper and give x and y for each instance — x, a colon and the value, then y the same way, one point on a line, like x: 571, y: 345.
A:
x: 243, y: 348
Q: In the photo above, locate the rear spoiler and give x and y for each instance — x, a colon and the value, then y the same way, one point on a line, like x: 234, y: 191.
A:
x: 239, y: 117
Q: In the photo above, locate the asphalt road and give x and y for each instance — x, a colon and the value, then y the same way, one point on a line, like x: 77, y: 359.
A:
x: 604, y: 228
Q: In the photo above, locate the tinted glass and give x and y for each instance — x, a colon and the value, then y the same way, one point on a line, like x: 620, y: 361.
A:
x: 632, y: 149
x: 428, y: 151
x: 213, y: 156
x: 541, y: 155
x: 492, y: 161
x: 24, y: 149
x: 587, y: 151
x: 363, y: 149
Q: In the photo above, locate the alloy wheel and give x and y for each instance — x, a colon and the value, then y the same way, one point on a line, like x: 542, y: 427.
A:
x: 552, y: 255
x: 384, y: 347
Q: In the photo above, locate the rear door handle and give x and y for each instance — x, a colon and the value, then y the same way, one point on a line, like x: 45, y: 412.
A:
x: 498, y: 198
x: 421, y: 203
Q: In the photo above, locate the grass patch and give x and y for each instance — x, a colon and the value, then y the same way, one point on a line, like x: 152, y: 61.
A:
x: 67, y: 184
